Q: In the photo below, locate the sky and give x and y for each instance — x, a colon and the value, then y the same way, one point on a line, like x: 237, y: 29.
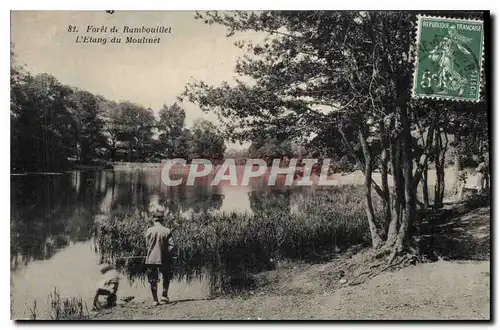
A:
x: 147, y: 74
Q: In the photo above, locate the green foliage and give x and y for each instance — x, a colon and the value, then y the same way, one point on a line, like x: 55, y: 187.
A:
x: 54, y: 125
x: 229, y: 246
x: 308, y: 63
x: 42, y: 125
x: 132, y: 124
x: 270, y: 149
x: 173, y: 137
x: 206, y: 141
x: 340, y: 81
x: 89, y: 124
x: 172, y: 120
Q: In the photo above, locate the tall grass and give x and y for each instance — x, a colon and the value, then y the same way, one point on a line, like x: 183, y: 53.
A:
x: 59, y: 308
x: 73, y: 308
x: 227, y: 247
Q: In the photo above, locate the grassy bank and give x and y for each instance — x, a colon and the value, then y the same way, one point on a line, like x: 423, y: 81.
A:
x: 227, y: 247
x: 331, y: 290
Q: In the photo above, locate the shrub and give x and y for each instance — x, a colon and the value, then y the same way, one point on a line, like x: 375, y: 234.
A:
x: 229, y: 246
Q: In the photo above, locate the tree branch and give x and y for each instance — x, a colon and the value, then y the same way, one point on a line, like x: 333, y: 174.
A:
x: 351, y: 150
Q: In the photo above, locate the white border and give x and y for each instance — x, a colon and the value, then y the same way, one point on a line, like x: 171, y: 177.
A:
x: 217, y: 4
x: 417, y: 50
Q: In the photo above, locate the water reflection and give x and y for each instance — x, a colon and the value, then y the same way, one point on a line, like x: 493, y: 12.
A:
x: 52, y: 215
x: 50, y: 211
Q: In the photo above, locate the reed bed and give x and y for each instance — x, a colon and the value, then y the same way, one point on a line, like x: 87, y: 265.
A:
x: 228, y: 247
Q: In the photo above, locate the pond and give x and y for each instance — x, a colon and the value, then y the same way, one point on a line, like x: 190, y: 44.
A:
x: 52, y: 220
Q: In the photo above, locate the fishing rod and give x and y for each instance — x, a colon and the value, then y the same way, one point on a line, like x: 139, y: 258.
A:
x: 132, y: 257
x: 183, y: 262
x: 177, y: 262
x: 138, y: 257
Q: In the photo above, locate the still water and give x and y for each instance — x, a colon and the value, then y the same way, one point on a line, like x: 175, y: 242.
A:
x: 52, y: 217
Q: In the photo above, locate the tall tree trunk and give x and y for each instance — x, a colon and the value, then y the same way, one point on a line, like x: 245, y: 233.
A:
x: 423, y: 163
x: 457, y: 159
x: 425, y: 170
x: 386, y: 201
x: 376, y: 240
x: 438, y: 199
x: 378, y: 190
x: 425, y: 184
x: 392, y: 229
x: 77, y: 153
x: 130, y: 150
x: 409, y: 191
x: 440, y: 167
x: 112, y: 152
x: 84, y: 152
x: 443, y: 164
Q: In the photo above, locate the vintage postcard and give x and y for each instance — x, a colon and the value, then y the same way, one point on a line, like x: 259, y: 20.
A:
x: 250, y: 165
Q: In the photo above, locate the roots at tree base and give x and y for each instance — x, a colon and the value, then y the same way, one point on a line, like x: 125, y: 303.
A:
x: 371, y: 262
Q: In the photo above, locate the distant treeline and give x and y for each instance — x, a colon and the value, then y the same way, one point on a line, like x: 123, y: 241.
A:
x: 54, y: 126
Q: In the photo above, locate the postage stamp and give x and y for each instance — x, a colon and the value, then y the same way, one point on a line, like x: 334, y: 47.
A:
x: 449, y: 58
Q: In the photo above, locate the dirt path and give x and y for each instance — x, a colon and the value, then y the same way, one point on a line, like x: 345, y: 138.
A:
x: 441, y: 290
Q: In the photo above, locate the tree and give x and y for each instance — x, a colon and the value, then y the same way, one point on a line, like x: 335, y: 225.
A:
x: 111, y: 128
x: 42, y: 124
x: 205, y: 141
x: 172, y: 135
x: 18, y: 80
x: 132, y: 125
x: 89, y: 124
x: 322, y: 71
x: 465, y: 123
x: 270, y: 149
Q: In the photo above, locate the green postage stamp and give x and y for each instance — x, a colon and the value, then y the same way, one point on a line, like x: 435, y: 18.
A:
x: 449, y: 58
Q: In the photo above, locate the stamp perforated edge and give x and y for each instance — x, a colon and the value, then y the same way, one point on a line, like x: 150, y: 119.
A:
x: 416, y: 57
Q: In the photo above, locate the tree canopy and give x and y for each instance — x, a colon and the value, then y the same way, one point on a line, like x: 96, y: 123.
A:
x: 55, y: 126
x: 344, y: 78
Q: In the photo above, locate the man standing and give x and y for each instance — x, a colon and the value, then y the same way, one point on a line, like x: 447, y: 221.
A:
x: 483, y: 177
x: 159, y: 256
